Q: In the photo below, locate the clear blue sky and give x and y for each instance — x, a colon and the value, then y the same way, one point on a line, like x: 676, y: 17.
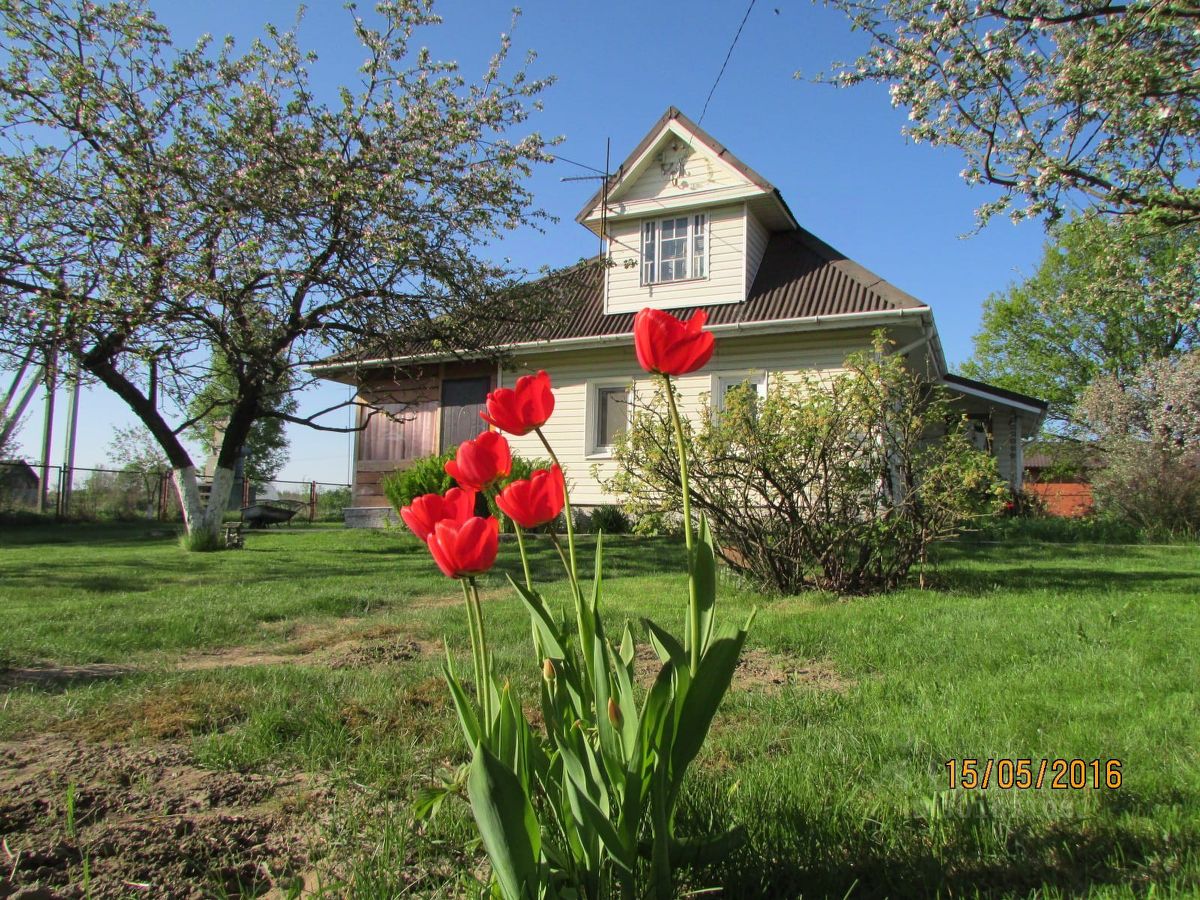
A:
x: 837, y: 155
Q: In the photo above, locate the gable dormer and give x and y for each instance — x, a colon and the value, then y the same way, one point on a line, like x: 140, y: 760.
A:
x: 685, y: 222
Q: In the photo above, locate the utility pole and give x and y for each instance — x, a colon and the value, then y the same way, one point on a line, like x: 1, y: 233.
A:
x: 69, y: 450
x: 8, y: 421
x: 51, y: 382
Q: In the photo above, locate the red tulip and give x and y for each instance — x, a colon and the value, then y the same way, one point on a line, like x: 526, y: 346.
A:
x: 425, y: 511
x: 534, y: 501
x: 480, y: 462
x: 669, y: 346
x: 519, y: 410
x: 466, y: 548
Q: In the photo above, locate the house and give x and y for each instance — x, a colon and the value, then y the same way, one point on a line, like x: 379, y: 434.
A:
x: 1058, y: 476
x: 18, y: 484
x: 685, y: 225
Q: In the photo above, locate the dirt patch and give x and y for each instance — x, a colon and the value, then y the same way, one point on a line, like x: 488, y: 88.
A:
x: 234, y: 658
x: 772, y: 672
x: 758, y: 670
x: 325, y: 646
x: 104, y: 820
x: 362, y: 654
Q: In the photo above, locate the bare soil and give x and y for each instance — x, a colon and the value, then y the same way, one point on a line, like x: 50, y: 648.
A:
x: 758, y: 670
x: 105, y: 820
x: 85, y: 815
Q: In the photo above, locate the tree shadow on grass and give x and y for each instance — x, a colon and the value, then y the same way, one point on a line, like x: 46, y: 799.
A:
x: 107, y: 534
x: 624, y: 555
x: 790, y: 856
x: 55, y: 679
x: 975, y: 570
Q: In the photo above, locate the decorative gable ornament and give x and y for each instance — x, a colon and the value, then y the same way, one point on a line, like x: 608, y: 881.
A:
x: 672, y: 162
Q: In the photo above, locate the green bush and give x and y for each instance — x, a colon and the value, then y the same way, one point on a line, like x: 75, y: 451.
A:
x: 427, y: 475
x: 839, y: 483
x: 610, y: 520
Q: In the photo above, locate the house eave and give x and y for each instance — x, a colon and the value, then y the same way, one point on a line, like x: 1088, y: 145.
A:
x: 1029, y: 406
x: 767, y: 326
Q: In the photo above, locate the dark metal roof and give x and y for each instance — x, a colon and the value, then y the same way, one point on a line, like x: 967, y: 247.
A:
x: 1002, y: 393
x: 799, y: 277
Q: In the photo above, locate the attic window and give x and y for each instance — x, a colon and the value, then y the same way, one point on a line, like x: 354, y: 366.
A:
x: 675, y: 249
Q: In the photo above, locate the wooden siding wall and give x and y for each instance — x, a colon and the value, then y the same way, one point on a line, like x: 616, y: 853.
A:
x: 404, y: 431
x: 726, y: 266
x: 575, y: 375
x: 391, y: 442
x: 756, y: 245
x: 701, y: 173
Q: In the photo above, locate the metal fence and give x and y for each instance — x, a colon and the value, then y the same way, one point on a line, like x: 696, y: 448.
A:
x: 96, y: 494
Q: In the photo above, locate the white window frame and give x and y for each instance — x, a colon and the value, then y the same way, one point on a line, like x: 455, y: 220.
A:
x: 760, y: 378
x: 649, y: 271
x: 591, y: 449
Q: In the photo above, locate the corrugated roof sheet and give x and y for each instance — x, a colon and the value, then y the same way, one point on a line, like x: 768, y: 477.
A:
x: 799, y: 277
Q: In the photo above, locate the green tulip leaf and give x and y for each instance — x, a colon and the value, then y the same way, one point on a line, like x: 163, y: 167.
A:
x: 705, y: 573
x: 552, y: 639
x: 507, y: 824
x: 665, y: 644
x: 467, y: 717
x: 704, y: 695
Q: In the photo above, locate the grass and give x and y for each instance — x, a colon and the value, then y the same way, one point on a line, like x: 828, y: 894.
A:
x: 1035, y: 651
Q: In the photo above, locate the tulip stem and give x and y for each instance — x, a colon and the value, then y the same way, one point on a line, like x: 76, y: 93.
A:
x: 524, y: 558
x: 567, y: 509
x: 693, y: 613
x: 537, y: 638
x: 479, y: 652
x: 584, y: 617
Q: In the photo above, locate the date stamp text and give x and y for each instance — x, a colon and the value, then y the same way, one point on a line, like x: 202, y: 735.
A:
x: 1034, y: 774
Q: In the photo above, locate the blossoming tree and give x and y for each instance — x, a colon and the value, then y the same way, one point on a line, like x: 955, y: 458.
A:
x: 1054, y: 102
x: 165, y: 207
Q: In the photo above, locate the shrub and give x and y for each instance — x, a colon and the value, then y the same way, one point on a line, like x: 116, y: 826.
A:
x: 1149, y: 430
x: 427, y: 475
x: 840, y: 483
x: 609, y: 519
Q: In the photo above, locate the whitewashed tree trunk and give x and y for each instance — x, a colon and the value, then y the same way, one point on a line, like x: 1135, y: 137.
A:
x: 198, y: 515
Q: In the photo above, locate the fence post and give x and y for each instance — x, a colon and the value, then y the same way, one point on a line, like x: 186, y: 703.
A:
x: 245, y: 491
x: 312, y: 502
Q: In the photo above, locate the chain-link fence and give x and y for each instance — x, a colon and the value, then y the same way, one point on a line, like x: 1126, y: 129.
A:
x: 130, y: 494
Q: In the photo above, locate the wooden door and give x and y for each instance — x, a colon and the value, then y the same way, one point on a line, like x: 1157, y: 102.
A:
x: 462, y: 402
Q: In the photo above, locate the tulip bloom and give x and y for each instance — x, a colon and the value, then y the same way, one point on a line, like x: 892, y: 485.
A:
x: 464, y: 549
x: 480, y: 462
x: 534, y: 501
x: 668, y: 346
x: 519, y: 410
x: 426, y: 511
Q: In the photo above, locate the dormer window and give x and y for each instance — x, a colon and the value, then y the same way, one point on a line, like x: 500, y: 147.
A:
x: 675, y: 249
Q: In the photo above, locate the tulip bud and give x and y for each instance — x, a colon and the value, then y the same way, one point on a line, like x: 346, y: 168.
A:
x: 614, y: 714
x: 548, y: 670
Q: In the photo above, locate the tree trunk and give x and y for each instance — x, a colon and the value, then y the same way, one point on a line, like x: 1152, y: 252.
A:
x: 197, y: 515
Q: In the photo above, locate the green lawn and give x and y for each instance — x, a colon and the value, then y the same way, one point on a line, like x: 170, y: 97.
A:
x: 1032, y: 651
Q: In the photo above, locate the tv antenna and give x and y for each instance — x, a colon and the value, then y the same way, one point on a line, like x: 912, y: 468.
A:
x: 604, y: 177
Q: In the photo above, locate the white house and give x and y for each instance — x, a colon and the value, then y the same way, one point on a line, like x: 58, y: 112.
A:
x: 685, y: 225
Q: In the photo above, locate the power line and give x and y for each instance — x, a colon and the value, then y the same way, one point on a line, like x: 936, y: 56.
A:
x: 724, y: 64
x: 556, y: 157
